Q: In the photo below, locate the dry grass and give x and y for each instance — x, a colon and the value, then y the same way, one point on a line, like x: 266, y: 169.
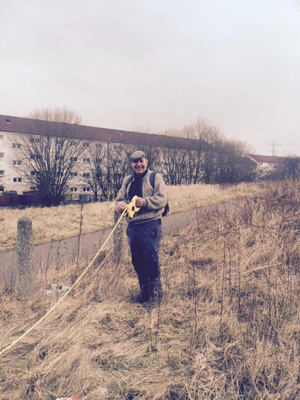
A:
x: 58, y: 223
x: 184, y: 198
x: 228, y: 326
x: 55, y: 223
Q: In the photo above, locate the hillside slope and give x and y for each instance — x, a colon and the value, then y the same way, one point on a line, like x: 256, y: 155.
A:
x: 227, y: 328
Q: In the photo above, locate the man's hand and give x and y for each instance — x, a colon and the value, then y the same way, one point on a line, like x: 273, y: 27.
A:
x: 121, y: 206
x: 140, y: 202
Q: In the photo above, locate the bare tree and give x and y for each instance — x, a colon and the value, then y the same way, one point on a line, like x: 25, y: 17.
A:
x: 57, y: 114
x: 49, y: 154
x: 211, y: 159
x: 291, y: 168
x: 189, y: 162
x: 225, y: 162
x: 175, y: 165
x: 109, y: 165
x: 205, y: 134
x: 119, y: 165
x: 97, y: 179
x: 286, y: 168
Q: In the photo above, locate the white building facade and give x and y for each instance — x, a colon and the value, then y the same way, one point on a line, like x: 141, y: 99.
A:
x: 115, y: 147
x: 11, y: 165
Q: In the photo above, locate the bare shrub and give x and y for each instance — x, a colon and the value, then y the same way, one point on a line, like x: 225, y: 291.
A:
x: 227, y: 328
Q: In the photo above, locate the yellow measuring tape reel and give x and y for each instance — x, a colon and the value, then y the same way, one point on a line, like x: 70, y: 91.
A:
x: 130, y: 209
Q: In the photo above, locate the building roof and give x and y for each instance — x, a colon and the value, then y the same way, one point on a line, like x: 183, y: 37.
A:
x: 266, y: 159
x: 31, y: 126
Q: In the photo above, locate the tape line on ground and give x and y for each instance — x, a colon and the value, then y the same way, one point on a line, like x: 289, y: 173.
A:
x: 66, y: 294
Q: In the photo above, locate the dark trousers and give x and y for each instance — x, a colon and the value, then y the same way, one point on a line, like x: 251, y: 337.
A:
x: 144, y: 242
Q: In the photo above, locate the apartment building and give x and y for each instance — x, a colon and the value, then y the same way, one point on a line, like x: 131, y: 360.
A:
x: 13, y: 129
x: 12, y: 164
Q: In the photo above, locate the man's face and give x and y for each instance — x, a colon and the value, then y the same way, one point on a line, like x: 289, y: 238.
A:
x: 139, y: 165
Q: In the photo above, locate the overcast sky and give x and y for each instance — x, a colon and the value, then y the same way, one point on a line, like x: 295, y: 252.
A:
x: 158, y: 64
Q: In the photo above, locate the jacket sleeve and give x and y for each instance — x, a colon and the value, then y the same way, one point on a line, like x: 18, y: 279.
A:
x: 160, y: 195
x: 121, y: 196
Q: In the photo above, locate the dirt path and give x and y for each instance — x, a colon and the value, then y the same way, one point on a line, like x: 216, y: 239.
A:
x: 64, y: 252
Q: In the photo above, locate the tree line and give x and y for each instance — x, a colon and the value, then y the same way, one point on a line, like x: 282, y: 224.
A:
x: 53, y: 161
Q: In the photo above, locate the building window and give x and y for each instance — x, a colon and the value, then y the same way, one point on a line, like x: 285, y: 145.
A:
x: 86, y: 189
x: 2, y: 172
x: 72, y: 174
x: 87, y: 160
x: 16, y: 145
x: 35, y: 156
x: 17, y: 179
x: 73, y: 143
x: 35, y: 140
x: 1, y: 188
x: 86, y: 144
x: 1, y: 154
x: 73, y: 189
x: 73, y: 159
x: 86, y: 174
x: 17, y: 162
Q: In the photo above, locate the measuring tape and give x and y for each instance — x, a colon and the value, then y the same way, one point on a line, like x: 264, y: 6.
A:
x: 130, y: 209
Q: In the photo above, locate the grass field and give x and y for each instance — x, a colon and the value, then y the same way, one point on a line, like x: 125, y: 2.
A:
x: 227, y: 328
x: 64, y: 221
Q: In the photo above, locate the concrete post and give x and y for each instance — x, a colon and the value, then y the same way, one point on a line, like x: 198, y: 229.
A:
x: 119, y: 238
x: 25, y: 277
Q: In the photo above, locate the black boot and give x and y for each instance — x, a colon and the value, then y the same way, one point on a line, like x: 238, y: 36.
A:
x: 155, y: 291
x: 144, y: 295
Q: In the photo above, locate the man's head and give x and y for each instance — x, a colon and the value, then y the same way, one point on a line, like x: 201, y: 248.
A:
x: 138, y: 162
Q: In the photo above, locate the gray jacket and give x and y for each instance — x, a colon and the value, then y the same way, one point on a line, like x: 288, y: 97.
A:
x: 156, y: 198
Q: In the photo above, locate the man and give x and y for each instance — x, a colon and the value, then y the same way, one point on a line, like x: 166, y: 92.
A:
x: 144, y: 229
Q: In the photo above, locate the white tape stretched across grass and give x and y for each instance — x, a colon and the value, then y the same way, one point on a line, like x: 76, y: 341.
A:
x: 71, y: 288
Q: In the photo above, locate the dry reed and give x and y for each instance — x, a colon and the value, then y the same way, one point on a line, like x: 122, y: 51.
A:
x: 57, y: 223
x: 227, y: 328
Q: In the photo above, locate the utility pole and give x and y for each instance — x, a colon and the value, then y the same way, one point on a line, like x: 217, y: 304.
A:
x: 274, y: 145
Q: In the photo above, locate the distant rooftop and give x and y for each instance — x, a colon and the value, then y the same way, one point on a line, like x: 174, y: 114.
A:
x: 31, y: 126
x: 267, y: 159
